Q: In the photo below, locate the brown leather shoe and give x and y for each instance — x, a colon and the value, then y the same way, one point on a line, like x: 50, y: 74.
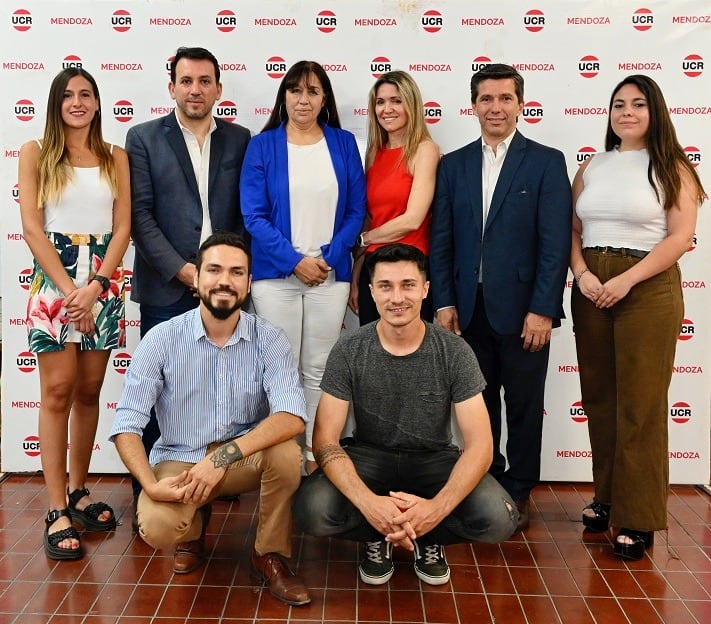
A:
x: 523, y: 519
x: 283, y: 584
x: 189, y: 556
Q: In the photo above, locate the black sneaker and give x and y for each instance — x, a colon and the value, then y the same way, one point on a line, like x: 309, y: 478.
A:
x: 377, y: 566
x: 431, y: 564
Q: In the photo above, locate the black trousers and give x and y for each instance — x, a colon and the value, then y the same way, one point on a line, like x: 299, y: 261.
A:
x: 522, y: 375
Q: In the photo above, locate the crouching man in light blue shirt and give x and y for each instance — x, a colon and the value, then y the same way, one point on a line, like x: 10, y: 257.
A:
x: 228, y: 401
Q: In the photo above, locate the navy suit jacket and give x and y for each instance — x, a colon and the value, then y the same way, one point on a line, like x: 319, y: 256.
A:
x: 166, y: 212
x: 524, y: 246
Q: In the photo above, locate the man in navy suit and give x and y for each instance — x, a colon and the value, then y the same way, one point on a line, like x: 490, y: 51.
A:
x: 185, y: 170
x: 501, y: 228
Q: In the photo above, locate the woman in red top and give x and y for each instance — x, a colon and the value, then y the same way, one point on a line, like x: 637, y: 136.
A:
x: 401, y: 166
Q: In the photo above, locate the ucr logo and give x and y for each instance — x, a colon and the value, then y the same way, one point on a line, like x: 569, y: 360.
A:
x: 168, y: 63
x: 226, y: 110
x: 16, y: 193
x: 326, y: 21
x: 642, y: 19
x: 21, y: 20
x: 25, y: 110
x: 24, y: 278
x: 532, y: 112
x: 31, y: 446
x: 693, y: 153
x: 71, y: 60
x: 275, y: 66
x: 431, y: 21
x: 127, y: 280
x: 121, y: 20
x: 585, y: 153
x: 693, y: 65
x: 577, y: 413
x: 687, y: 330
x: 225, y: 20
x: 680, y: 412
x: 123, y: 111
x: 380, y: 65
x: 534, y: 20
x: 121, y: 362
x: 480, y: 62
x: 693, y: 244
x: 433, y: 112
x: 26, y: 362
x: 589, y: 66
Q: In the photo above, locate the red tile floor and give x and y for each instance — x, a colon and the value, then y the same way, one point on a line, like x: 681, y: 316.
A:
x: 552, y: 573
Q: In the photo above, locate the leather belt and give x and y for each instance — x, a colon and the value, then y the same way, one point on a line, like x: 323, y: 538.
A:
x: 623, y: 251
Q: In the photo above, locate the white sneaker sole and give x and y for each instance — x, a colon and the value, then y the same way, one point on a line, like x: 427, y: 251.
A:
x: 431, y: 580
x: 375, y: 580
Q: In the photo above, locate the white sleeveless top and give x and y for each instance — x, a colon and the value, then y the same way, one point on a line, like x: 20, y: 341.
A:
x: 618, y: 207
x: 84, y: 207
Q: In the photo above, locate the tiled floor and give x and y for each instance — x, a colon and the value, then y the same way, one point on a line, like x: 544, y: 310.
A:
x: 552, y: 573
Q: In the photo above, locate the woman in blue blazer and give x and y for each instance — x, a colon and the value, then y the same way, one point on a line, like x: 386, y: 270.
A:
x: 303, y: 200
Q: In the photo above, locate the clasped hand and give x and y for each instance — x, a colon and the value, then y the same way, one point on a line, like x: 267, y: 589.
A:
x: 190, y: 486
x: 604, y: 295
x: 312, y: 271
x: 79, y: 304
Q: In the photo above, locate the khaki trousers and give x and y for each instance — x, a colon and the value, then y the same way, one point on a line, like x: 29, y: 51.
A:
x: 275, y: 471
x: 626, y: 355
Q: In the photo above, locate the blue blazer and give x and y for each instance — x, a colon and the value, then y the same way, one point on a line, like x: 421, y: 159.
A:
x: 524, y: 247
x: 264, y: 190
x: 166, y: 212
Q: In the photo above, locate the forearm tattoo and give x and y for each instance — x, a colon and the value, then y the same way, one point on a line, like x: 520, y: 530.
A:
x: 226, y: 454
x: 331, y: 452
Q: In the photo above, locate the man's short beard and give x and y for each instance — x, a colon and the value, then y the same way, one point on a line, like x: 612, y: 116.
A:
x: 219, y: 312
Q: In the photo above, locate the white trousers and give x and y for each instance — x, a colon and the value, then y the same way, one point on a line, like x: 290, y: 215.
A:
x: 312, y: 317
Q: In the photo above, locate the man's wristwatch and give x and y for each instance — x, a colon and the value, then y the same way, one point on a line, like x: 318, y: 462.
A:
x: 104, y: 281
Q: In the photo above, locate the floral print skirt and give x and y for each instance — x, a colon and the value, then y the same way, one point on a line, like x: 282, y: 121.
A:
x: 48, y: 325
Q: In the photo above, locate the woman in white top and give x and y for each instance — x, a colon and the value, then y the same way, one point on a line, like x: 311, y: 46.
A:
x: 75, y: 208
x: 635, y: 215
x: 302, y: 191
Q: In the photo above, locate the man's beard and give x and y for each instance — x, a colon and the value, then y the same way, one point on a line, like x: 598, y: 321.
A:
x: 222, y: 312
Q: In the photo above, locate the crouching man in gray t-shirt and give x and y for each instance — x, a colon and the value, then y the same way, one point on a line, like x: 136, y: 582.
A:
x: 400, y: 481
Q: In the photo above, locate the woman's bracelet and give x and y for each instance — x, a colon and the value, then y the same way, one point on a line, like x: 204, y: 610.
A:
x: 579, y: 275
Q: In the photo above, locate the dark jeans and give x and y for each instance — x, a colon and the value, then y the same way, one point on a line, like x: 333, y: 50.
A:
x: 487, y: 514
x: 150, y: 317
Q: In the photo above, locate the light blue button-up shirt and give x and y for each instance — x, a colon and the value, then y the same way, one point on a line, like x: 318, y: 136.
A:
x: 203, y: 393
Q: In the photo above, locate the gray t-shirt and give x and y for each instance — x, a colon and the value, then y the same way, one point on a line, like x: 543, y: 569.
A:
x: 403, y: 402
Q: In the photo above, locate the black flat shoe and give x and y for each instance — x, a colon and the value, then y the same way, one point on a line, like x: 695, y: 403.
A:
x: 89, y: 516
x: 51, y: 540
x: 600, y: 522
x: 641, y: 540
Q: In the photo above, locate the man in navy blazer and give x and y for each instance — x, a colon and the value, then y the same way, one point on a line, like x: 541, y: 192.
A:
x: 185, y: 170
x: 500, y: 242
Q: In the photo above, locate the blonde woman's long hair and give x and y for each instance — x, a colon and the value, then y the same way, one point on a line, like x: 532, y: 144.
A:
x: 415, y: 129
x: 53, y: 169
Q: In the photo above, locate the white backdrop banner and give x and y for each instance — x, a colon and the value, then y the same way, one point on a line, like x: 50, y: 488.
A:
x: 570, y: 52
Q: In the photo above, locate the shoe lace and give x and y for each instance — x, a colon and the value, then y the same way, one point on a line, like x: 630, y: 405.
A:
x: 432, y: 554
x: 374, y: 551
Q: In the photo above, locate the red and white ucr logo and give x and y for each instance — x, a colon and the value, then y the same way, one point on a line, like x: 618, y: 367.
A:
x: 680, y: 412
x: 693, y: 153
x: 326, y: 21
x: 22, y: 20
x: 127, y: 280
x: 532, y: 112
x: 25, y: 278
x: 16, y: 193
x: 643, y: 19
x: 432, y: 21
x: 121, y: 362
x: 433, y: 112
x: 693, y: 65
x: 31, y: 446
x: 275, y: 66
x: 26, y: 362
x: 71, y: 60
x: 25, y: 110
x: 589, y: 66
x: 534, y: 20
x: 226, y: 110
x: 480, y: 62
x: 379, y: 66
x: 123, y: 111
x: 225, y: 20
x: 584, y: 153
x: 121, y: 20
x: 577, y: 413
x: 687, y: 330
